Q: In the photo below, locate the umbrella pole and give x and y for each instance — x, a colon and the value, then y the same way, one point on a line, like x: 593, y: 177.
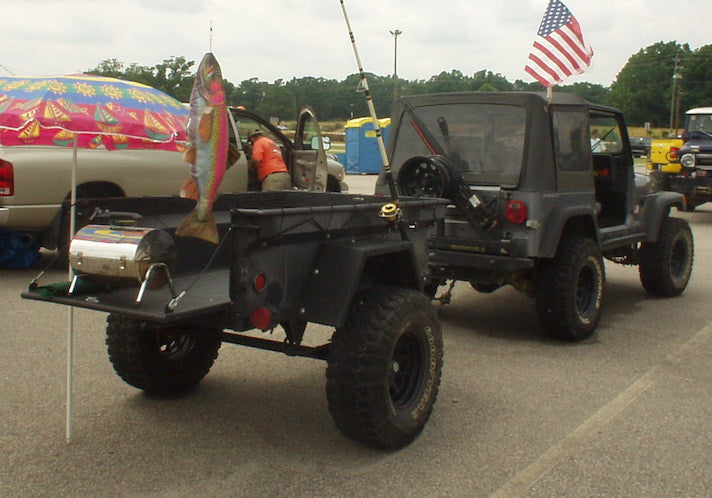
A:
x: 70, y: 318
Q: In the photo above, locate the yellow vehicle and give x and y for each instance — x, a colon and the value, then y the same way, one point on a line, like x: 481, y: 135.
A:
x: 665, y: 155
x: 685, y: 164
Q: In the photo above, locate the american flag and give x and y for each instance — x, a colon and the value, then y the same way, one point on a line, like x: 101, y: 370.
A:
x: 559, y: 49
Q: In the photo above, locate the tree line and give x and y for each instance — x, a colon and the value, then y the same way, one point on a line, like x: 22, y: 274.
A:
x: 656, y: 85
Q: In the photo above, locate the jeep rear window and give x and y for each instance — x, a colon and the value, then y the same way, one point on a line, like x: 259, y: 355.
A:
x: 485, y: 141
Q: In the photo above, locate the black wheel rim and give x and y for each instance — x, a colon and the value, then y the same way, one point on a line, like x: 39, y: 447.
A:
x: 405, y: 370
x: 586, y: 290
x: 173, y: 344
x: 421, y: 180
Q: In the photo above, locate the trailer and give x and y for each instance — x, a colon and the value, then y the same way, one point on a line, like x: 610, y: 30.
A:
x: 285, y: 259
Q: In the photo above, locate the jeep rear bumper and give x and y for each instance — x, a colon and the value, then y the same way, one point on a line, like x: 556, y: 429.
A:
x: 456, y: 264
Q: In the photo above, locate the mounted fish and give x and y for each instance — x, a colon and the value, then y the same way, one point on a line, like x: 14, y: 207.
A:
x: 208, y: 154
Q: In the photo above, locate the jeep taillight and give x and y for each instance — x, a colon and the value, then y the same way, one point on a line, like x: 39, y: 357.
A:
x: 516, y: 212
x: 7, y: 178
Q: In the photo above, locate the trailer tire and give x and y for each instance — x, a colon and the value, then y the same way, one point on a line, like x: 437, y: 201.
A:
x: 666, y: 265
x: 384, y: 368
x: 569, y: 290
x: 166, y: 360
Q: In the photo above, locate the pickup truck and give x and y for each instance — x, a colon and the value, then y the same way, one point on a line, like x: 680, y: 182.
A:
x: 35, y: 181
x: 532, y: 205
x: 285, y: 259
x: 685, y: 164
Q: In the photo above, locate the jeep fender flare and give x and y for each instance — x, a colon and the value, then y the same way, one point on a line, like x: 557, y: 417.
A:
x: 578, y: 219
x: 657, y: 207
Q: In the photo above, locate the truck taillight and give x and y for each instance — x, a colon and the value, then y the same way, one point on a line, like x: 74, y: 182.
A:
x: 516, y: 212
x: 7, y: 178
x: 673, y: 154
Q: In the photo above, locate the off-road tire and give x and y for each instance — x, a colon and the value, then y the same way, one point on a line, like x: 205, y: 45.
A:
x: 666, y: 265
x: 166, y: 360
x: 569, y: 290
x: 384, y: 368
x: 332, y: 184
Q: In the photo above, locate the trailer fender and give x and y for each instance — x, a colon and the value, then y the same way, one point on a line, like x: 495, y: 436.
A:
x: 343, y: 268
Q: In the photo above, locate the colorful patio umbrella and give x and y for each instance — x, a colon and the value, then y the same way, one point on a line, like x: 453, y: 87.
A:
x: 88, y: 112
x: 97, y: 111
x: 84, y: 111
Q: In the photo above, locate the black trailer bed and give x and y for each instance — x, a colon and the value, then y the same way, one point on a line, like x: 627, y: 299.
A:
x: 254, y: 221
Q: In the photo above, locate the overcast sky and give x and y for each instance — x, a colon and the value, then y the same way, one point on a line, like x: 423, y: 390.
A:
x: 282, y: 39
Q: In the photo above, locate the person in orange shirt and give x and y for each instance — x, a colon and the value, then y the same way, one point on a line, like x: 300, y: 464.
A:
x: 266, y: 160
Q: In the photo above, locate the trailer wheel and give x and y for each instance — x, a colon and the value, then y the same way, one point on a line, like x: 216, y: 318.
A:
x: 159, y: 359
x: 666, y: 265
x: 384, y: 368
x: 569, y: 293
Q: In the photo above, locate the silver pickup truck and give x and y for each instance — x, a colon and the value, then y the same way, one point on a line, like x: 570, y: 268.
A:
x: 35, y: 182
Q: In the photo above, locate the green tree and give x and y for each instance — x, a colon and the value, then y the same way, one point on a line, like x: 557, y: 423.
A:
x: 696, y: 81
x: 643, y: 88
x: 173, y: 76
x: 492, y: 80
x: 592, y: 92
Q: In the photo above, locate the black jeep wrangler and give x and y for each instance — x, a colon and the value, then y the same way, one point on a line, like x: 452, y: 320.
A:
x: 535, y: 202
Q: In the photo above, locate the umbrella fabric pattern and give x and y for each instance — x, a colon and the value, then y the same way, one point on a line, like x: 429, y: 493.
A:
x: 108, y: 112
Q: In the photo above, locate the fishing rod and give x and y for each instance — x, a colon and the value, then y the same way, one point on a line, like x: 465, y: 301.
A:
x: 363, y: 87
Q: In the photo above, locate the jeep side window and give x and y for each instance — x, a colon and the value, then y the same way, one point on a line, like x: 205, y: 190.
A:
x: 608, y: 133
x: 571, y: 141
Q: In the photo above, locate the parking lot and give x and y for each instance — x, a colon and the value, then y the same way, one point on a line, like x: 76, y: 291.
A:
x: 626, y: 412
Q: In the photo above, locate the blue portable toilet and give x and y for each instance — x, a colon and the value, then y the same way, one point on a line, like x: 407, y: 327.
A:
x: 362, y: 154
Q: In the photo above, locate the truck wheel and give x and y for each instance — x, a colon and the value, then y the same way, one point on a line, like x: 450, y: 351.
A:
x: 666, y: 265
x: 160, y: 359
x: 332, y: 184
x: 384, y: 368
x: 569, y: 293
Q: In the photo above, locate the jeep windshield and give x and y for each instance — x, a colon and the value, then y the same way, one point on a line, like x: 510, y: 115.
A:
x: 485, y: 141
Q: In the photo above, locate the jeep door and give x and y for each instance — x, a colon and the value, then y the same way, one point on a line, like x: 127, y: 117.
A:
x: 309, y: 167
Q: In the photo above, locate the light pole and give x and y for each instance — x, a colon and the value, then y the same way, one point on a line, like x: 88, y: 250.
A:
x: 676, y: 76
x: 395, y: 34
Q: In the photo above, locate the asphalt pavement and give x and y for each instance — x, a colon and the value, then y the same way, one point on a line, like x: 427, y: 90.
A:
x: 627, y: 412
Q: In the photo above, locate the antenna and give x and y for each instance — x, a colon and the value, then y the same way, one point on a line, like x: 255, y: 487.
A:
x: 6, y: 69
x: 211, y: 35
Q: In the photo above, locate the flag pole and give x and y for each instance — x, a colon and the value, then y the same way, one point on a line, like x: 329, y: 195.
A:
x: 70, y: 316
x: 549, y: 94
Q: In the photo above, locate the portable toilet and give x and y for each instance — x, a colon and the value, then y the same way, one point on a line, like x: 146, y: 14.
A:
x: 362, y: 154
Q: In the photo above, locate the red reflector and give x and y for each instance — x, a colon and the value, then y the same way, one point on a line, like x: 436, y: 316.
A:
x: 261, y: 318
x: 7, y: 178
x: 674, y: 153
x: 516, y: 212
x: 259, y: 282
